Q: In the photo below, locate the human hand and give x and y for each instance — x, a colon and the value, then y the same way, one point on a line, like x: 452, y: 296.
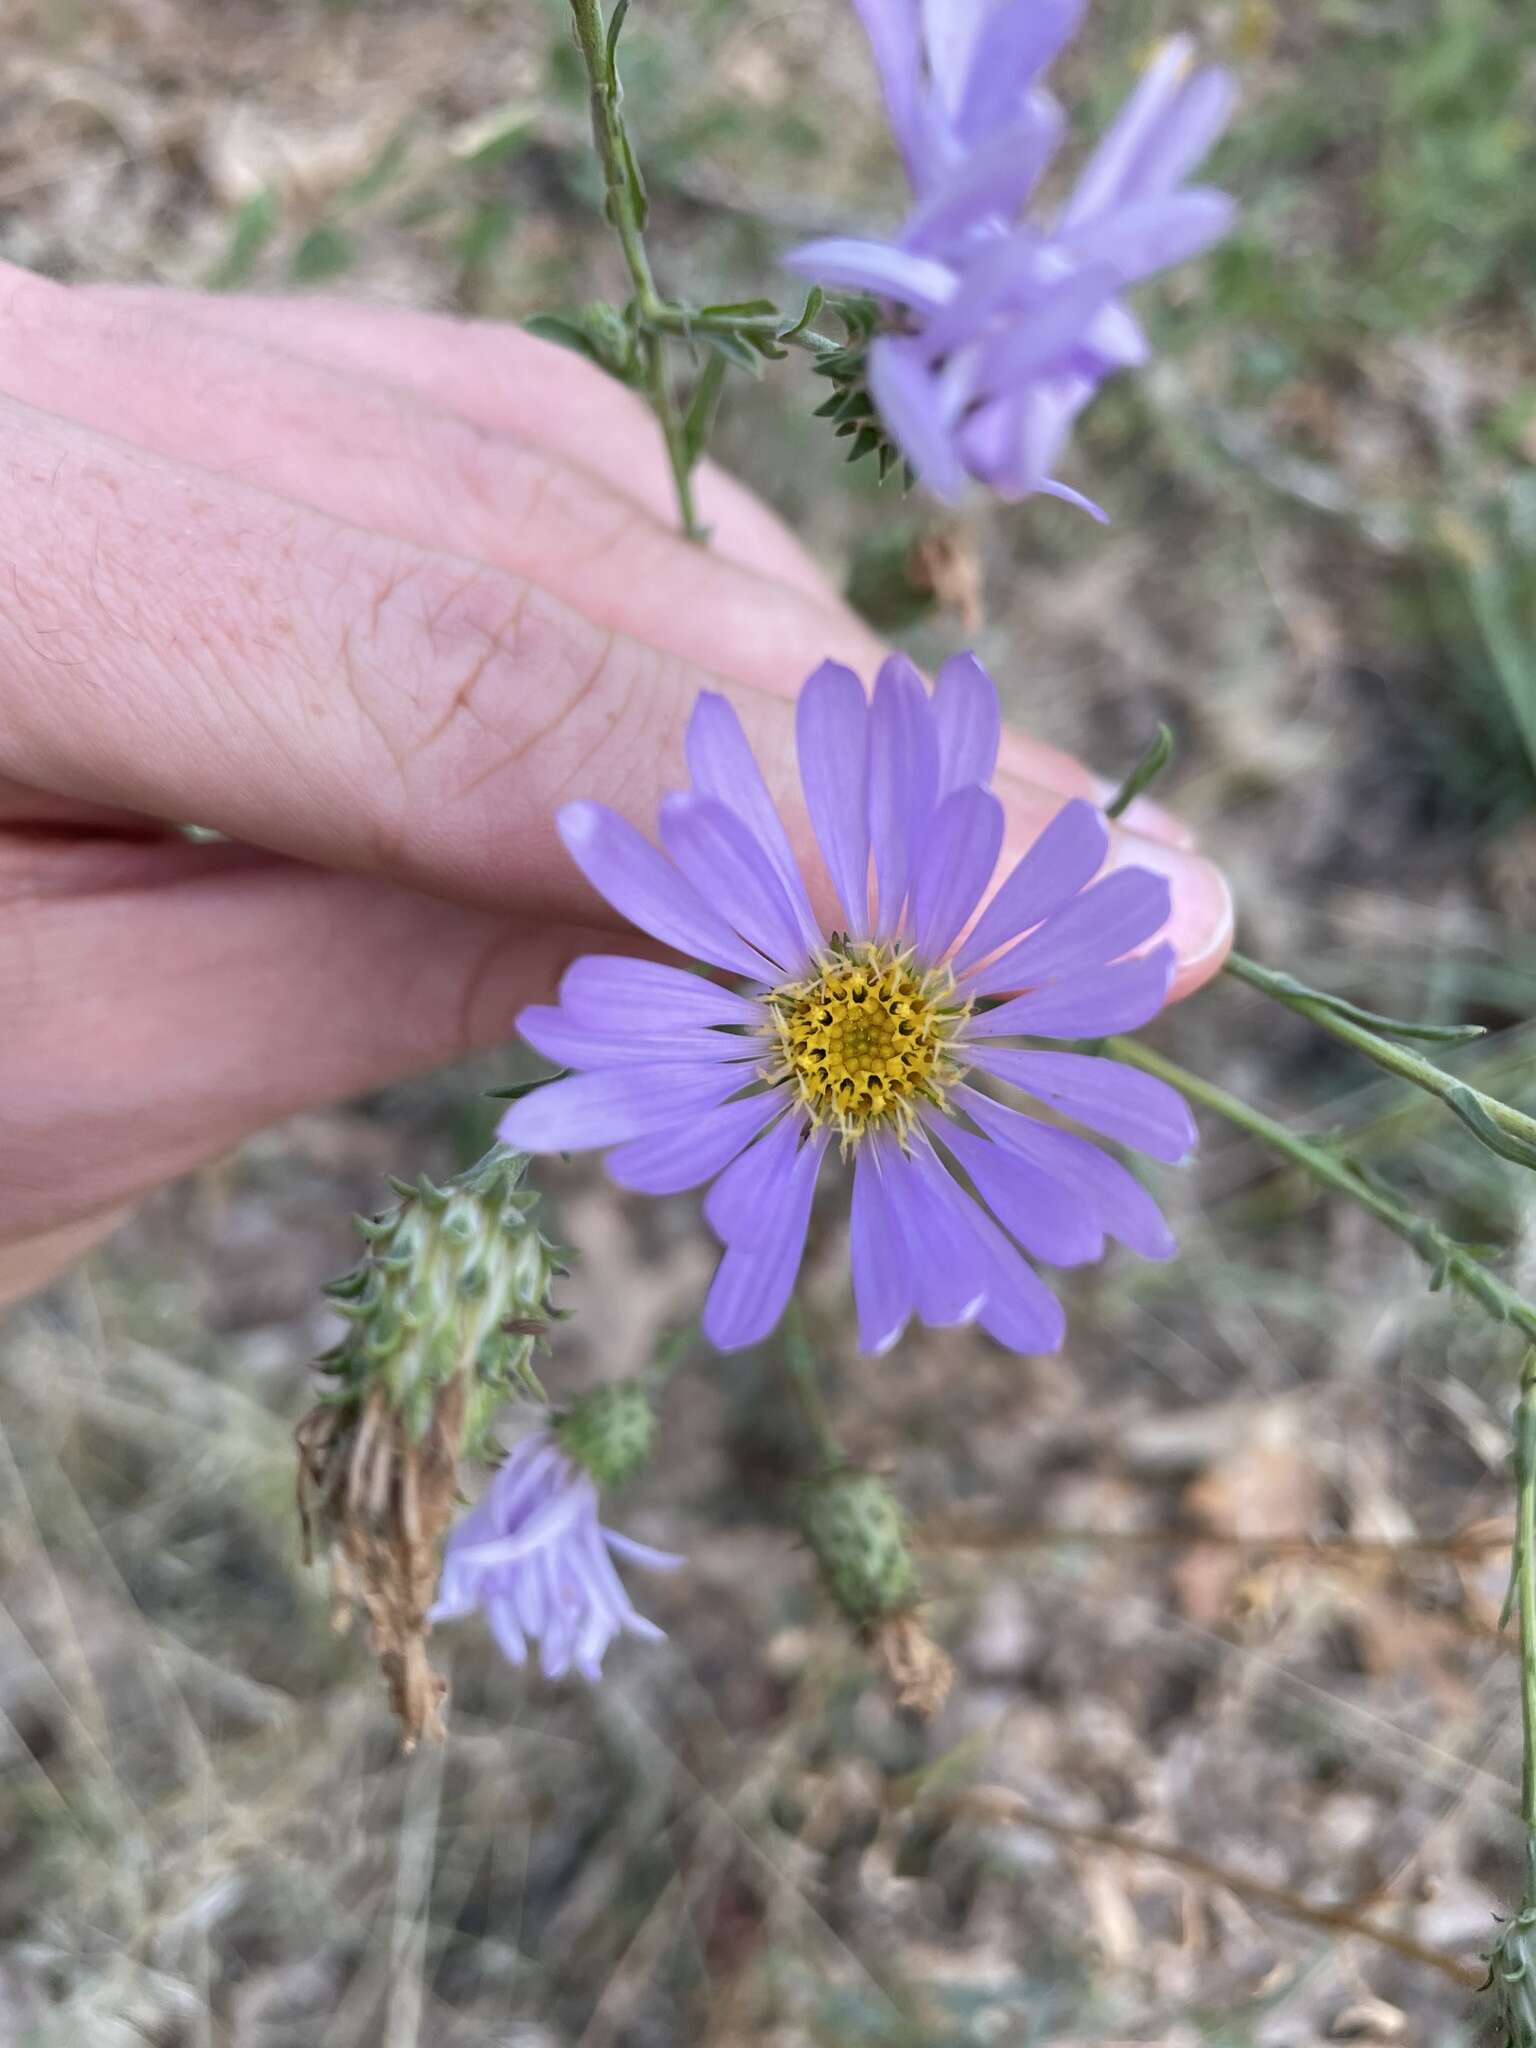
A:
x: 371, y: 593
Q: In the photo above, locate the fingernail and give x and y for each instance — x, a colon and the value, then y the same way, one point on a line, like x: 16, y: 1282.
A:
x: 1200, y: 923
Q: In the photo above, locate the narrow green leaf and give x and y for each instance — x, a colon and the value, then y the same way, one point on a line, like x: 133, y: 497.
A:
x: 522, y: 1088
x: 1146, y: 772
x: 740, y: 309
x: 611, y: 54
x: 815, y: 299
x: 325, y: 252
x: 382, y: 172
x: 735, y: 351
x: 700, y: 417
x: 1273, y: 982
x: 254, y: 226
x: 1463, y: 1101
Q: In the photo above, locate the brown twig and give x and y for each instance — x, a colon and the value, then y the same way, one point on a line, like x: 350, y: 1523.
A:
x: 981, y: 1533
x: 995, y: 1803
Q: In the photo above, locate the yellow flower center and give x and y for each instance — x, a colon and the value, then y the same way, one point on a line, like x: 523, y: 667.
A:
x: 867, y: 1038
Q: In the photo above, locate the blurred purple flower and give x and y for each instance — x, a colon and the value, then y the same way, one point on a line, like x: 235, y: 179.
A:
x: 532, y: 1554
x: 1000, y: 332
x: 875, y: 1032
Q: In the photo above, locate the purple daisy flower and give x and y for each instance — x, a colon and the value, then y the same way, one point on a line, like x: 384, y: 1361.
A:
x: 1000, y: 332
x: 532, y: 1553
x: 874, y: 1035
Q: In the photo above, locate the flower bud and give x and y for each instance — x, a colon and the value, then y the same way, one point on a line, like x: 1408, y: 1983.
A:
x: 857, y: 1534
x: 608, y: 1432
x: 454, y: 1283
x: 443, y: 1311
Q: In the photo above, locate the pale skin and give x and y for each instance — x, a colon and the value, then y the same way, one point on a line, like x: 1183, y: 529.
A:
x: 370, y: 593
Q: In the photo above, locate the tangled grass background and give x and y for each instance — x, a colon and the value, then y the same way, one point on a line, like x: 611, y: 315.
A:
x: 1228, y: 1574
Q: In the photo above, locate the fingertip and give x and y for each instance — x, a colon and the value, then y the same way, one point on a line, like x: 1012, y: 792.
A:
x: 1200, y: 918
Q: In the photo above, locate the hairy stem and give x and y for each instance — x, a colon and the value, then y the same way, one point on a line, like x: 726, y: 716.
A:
x: 625, y: 206
x: 806, y: 1379
x: 1450, y: 1263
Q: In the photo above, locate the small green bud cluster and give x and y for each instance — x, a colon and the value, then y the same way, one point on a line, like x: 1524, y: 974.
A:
x: 851, y: 404
x: 857, y: 1533
x: 454, y: 1283
x: 608, y: 1432
x: 599, y: 332
x: 1512, y: 1978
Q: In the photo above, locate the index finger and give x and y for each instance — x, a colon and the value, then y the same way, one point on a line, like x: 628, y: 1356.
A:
x: 195, y: 648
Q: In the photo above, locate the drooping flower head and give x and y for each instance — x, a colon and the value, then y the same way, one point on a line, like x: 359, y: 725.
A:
x: 876, y: 1036
x: 533, y: 1556
x: 999, y: 331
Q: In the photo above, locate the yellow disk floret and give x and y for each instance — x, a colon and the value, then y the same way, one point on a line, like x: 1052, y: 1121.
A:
x: 866, y: 1038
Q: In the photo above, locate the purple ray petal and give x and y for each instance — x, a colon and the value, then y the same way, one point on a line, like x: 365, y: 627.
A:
x: 950, y: 32
x: 850, y: 264
x: 958, y: 862
x: 750, y: 1288
x: 687, y: 1154
x: 1003, y: 274
x: 723, y: 857
x: 1063, y: 860
x: 642, y: 1553
x: 1125, y: 1210
x: 993, y: 179
x: 1047, y: 1218
x: 510, y: 1639
x: 882, y: 1267
x: 906, y: 397
x: 722, y: 764
x: 643, y: 886
x: 553, y: 1033
x: 894, y: 35
x: 1089, y: 1004
x: 832, y: 738
x: 1020, y: 1311
x: 549, y: 1521
x: 903, y: 780
x: 1133, y: 1108
x: 948, y: 1266
x: 1101, y: 924
x: 1182, y: 138
x: 968, y: 721
x: 1153, y: 234
x: 601, y: 988
x: 1052, y: 487
x: 1037, y: 340
x: 737, y: 1208
x: 1012, y: 50
x: 614, y: 1105
x: 1104, y: 176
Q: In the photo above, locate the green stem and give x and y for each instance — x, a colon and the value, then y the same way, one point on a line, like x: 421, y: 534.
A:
x: 1487, y: 1117
x: 1525, y: 1581
x: 1450, y: 1263
x: 683, y: 321
x: 625, y: 206
x: 806, y: 1380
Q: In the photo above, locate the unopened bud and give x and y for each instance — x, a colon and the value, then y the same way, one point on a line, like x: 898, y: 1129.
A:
x: 454, y: 1284
x: 608, y: 1432
x: 443, y: 1311
x: 857, y: 1534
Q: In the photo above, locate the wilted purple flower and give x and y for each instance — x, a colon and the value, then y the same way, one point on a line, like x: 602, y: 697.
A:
x: 532, y: 1554
x: 998, y: 333
x: 874, y: 1033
